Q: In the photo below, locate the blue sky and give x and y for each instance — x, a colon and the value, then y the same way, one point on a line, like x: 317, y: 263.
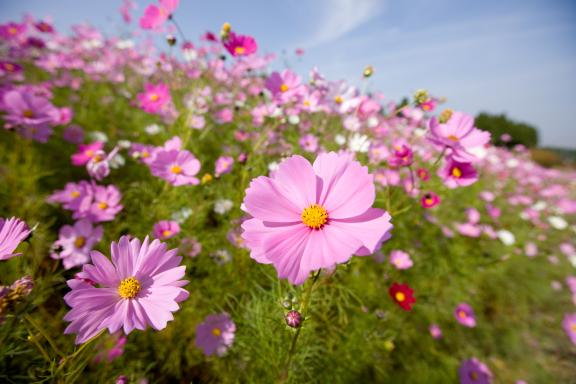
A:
x: 516, y: 56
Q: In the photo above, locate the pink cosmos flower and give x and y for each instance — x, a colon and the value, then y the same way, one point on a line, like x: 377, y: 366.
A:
x: 112, y: 348
x: 75, y: 197
x: 176, y: 166
x: 223, y: 165
x: 455, y: 174
x: 44, y: 27
x: 10, y: 68
x: 75, y: 243
x: 400, y: 259
x: 12, y: 232
x: 105, y: 204
x: 73, y: 134
x: 240, y: 45
x: 141, y: 286
x: 86, y: 152
x: 12, y: 31
x: 569, y: 324
x: 216, y: 334
x: 459, y: 134
x: 165, y: 229
x: 155, y: 16
x: 465, y: 315
x: 435, y: 331
x: 309, y: 142
x: 32, y: 115
x: 401, y: 155
x: 284, y: 85
x: 473, y: 371
x: 154, y: 98
x: 306, y: 217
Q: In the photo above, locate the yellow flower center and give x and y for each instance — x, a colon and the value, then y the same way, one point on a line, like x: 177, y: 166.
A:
x: 80, y: 242
x: 145, y: 154
x: 573, y: 327
x: 154, y: 97
x: 426, y: 107
x: 216, y: 332
x: 12, y: 31
x: 129, y: 288
x: 474, y: 375
x: 28, y: 113
x: 284, y: 88
x: 462, y: 314
x: 338, y: 99
x: 166, y: 233
x: 239, y: 50
x: 176, y: 169
x: 456, y: 172
x: 102, y: 205
x: 453, y: 138
x: 226, y: 27
x: 74, y: 194
x: 428, y: 201
x: 90, y: 153
x: 400, y: 297
x: 306, y: 103
x: 9, y: 67
x: 315, y: 216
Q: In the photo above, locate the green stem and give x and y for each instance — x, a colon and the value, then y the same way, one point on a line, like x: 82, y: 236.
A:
x: 303, y: 313
x: 44, y: 334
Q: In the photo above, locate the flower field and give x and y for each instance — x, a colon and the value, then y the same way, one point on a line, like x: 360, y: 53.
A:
x: 190, y: 214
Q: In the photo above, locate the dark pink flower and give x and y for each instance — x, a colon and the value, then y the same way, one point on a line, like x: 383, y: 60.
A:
x: 154, y: 98
x: 86, y: 152
x: 455, y: 174
x: 240, y: 45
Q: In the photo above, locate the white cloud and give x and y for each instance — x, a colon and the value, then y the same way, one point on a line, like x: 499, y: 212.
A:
x: 341, y: 17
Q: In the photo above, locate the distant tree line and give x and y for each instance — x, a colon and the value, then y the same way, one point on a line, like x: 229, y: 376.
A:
x: 507, y: 132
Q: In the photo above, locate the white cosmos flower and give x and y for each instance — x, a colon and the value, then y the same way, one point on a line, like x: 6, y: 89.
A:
x: 359, y: 143
x: 506, y: 237
x: 558, y: 222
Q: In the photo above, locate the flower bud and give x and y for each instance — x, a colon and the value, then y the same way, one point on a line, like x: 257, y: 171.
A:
x: 171, y: 40
x: 368, y: 71
x: 445, y: 116
x: 293, y: 319
x: 421, y: 96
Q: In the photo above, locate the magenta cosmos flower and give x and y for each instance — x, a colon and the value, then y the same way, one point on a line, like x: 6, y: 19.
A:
x: 174, y: 165
x: 140, y: 287
x: 457, y: 132
x: 569, y: 324
x: 465, y: 315
x: 455, y: 174
x: 216, y: 334
x: 86, y: 152
x: 154, y: 98
x: 32, y: 115
x: 75, y: 243
x: 166, y: 229
x: 12, y: 232
x: 240, y: 45
x: 473, y: 371
x: 306, y: 217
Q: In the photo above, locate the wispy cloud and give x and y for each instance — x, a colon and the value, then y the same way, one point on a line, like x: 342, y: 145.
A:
x: 339, y: 17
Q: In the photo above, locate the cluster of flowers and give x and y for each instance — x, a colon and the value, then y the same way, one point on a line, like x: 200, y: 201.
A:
x: 303, y: 217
